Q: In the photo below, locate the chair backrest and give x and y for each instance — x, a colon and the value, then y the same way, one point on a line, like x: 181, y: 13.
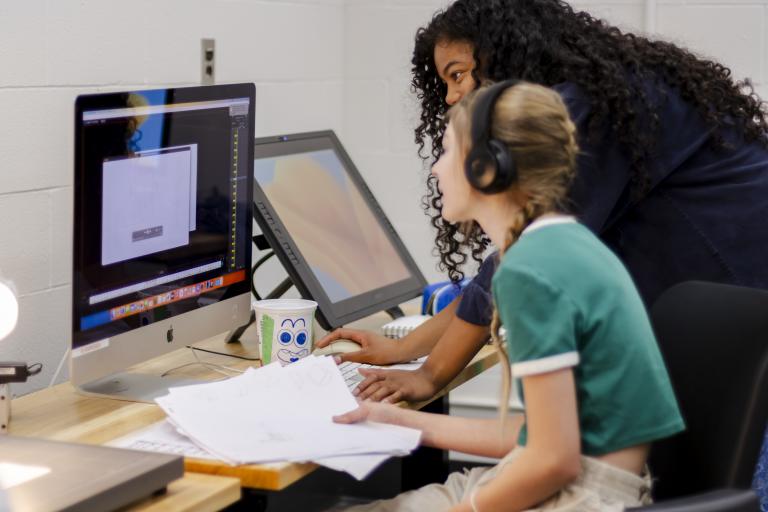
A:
x: 714, y: 339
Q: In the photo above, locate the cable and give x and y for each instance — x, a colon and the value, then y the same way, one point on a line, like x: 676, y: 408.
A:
x: 218, y: 368
x: 279, y: 290
x: 206, y: 365
x: 214, y: 366
x: 255, y: 267
x: 34, y: 369
x: 224, y: 353
x: 58, y: 368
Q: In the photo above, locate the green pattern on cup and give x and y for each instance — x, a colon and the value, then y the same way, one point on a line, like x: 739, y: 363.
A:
x: 267, y: 330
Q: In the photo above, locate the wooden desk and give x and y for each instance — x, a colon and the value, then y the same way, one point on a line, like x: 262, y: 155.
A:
x: 61, y: 413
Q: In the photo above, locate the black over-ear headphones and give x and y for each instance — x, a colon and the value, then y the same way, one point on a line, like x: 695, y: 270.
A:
x: 486, y: 151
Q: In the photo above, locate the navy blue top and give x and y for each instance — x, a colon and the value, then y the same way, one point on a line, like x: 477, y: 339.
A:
x: 705, y: 215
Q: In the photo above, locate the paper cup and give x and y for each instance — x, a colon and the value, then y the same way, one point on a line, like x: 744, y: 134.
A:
x: 285, y: 329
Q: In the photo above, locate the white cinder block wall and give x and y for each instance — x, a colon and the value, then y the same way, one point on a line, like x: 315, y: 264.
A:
x: 317, y: 64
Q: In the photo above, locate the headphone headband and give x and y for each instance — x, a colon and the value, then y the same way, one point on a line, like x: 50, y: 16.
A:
x: 485, y: 150
x: 483, y: 111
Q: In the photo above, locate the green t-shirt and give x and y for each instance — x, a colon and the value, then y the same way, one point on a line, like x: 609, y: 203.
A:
x: 566, y: 301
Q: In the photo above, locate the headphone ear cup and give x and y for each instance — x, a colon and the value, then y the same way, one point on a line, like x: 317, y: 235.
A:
x: 506, y: 172
x: 486, y: 151
x: 475, y: 165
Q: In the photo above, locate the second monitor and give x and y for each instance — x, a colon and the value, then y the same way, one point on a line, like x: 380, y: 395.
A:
x: 328, y: 230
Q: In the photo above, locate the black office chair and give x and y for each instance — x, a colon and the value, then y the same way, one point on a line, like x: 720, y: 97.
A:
x: 714, y: 339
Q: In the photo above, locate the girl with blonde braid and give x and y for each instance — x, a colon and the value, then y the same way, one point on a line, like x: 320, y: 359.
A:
x: 577, y: 335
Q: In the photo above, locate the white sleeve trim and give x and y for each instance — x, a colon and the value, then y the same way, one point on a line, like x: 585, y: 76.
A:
x: 545, y: 364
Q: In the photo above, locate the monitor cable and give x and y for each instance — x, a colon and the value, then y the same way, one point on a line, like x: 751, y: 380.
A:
x: 224, y: 354
x: 58, y: 368
x: 278, y: 291
x: 227, y: 371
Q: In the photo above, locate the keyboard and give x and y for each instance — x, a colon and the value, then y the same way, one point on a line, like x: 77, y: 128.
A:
x: 402, y: 326
x: 351, y: 376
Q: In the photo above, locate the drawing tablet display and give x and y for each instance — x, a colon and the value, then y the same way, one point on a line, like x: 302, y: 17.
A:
x: 328, y: 230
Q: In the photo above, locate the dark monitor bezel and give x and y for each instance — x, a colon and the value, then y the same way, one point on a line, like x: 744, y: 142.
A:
x: 174, y: 95
x: 329, y: 314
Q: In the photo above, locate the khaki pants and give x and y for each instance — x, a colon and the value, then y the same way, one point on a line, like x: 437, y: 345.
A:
x: 601, y: 487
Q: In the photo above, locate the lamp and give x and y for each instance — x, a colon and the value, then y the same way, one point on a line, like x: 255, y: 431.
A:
x: 9, y: 372
x: 9, y: 310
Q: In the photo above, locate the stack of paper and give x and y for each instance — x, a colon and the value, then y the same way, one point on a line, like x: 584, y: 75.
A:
x: 280, y: 413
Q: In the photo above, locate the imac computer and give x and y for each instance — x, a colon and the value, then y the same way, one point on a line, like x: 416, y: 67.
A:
x: 162, y: 229
x: 328, y: 230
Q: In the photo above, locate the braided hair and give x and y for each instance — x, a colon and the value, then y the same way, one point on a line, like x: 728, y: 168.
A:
x: 533, y: 123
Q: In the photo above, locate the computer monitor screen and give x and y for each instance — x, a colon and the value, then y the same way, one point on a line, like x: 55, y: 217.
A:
x: 330, y: 233
x: 162, y: 211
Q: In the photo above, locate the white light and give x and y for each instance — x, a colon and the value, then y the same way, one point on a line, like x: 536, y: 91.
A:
x: 9, y: 310
x: 12, y: 474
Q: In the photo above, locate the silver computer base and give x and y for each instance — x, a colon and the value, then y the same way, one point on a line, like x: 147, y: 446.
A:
x: 133, y: 387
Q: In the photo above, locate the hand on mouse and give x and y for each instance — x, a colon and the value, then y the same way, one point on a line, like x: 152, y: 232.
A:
x: 374, y: 348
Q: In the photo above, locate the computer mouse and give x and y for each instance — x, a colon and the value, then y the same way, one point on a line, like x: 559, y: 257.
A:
x: 337, y: 347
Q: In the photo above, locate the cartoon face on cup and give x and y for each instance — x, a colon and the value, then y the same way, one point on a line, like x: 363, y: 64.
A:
x: 285, y: 329
x: 293, y: 338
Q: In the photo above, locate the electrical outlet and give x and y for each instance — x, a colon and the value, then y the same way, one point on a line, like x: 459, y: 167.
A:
x: 207, y: 61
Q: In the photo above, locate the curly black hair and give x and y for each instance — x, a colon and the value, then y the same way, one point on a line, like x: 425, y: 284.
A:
x: 547, y: 42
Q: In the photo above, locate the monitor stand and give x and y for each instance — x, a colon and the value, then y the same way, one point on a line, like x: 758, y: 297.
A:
x: 133, y: 387
x: 395, y: 312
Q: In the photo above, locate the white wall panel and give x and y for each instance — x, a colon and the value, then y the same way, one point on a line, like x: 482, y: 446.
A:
x: 733, y: 34
x: 289, y: 107
x: 61, y: 219
x: 22, y: 58
x: 25, y: 232
x: 36, y: 138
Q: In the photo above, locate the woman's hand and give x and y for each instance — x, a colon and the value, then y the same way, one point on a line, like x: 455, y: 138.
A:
x: 370, y: 411
x: 395, y: 385
x: 374, y: 348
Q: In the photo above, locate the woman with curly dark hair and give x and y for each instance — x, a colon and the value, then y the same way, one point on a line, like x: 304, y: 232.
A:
x: 672, y: 176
